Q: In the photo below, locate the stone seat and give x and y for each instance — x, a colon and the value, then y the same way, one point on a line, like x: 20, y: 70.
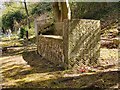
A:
x: 77, y: 45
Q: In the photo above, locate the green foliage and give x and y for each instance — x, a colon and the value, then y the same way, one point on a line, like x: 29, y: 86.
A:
x: 16, y: 11
x: 8, y: 4
x: 13, y: 11
x: 22, y: 32
x: 40, y: 8
x: 92, y: 10
x: 8, y: 19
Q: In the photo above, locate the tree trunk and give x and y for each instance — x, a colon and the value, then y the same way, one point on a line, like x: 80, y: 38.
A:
x: 61, y: 11
x: 28, y: 21
x: 57, y: 12
x: 65, y: 11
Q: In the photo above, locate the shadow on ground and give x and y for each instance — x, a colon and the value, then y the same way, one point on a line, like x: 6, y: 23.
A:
x: 98, y: 81
x: 38, y: 63
x: 33, y: 71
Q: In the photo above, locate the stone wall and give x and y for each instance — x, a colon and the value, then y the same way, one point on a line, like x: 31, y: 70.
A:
x: 82, y: 38
x: 51, y: 48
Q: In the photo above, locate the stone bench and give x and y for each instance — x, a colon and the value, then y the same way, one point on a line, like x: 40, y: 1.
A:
x: 78, y: 45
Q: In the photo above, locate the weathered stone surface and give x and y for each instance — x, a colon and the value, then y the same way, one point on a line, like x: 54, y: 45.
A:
x: 82, y: 38
x: 59, y: 28
x: 43, y: 24
x: 51, y: 48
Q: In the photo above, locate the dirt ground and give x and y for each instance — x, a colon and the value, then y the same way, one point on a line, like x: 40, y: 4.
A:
x: 23, y: 68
